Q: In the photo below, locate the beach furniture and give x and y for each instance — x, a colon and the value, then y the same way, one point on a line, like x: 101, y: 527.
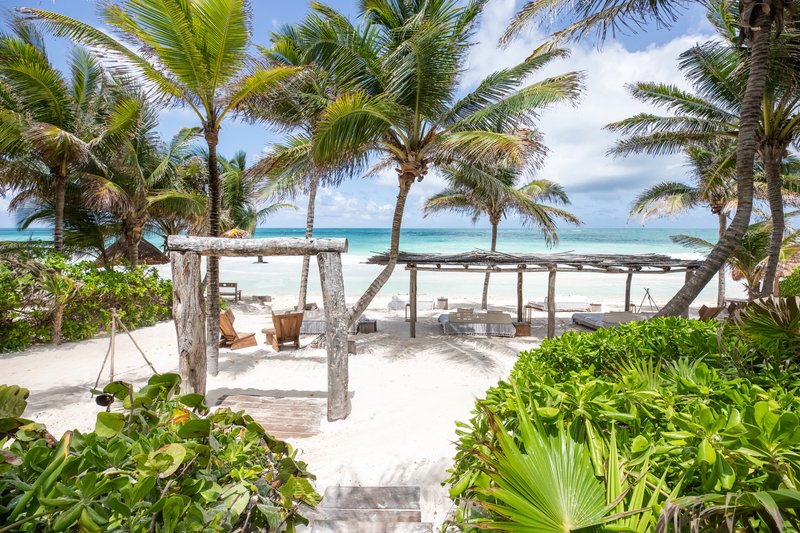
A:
x: 229, y: 337
x: 400, y: 302
x: 230, y: 289
x: 285, y: 329
x: 314, y: 323
x: 569, y: 302
x: 604, y: 320
x: 708, y: 313
x: 468, y: 322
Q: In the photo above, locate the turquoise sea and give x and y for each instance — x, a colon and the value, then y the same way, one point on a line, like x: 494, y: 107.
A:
x: 280, y: 276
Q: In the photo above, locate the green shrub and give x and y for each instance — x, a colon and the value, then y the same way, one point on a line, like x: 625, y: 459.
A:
x: 679, y: 412
x: 790, y: 286
x: 139, y: 295
x: 153, y: 463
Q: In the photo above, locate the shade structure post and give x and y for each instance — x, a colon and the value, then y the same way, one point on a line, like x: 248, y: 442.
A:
x: 336, y: 318
x: 189, y: 313
x: 628, y: 282
x: 412, y: 301
x: 519, y: 293
x: 689, y: 274
x: 551, y: 302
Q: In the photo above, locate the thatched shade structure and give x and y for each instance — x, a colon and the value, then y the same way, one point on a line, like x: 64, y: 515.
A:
x: 148, y: 254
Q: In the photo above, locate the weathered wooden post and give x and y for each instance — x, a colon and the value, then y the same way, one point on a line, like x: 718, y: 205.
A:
x: 189, y: 313
x: 551, y: 302
x: 628, y: 282
x: 519, y: 292
x: 336, y: 318
x: 412, y: 301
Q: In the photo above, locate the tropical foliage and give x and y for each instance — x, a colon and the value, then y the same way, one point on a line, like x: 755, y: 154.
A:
x: 691, y: 419
x: 153, y: 458
x: 477, y: 191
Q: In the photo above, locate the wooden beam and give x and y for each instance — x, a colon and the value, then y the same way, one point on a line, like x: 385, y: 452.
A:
x: 220, y: 246
x: 519, y: 296
x: 412, y: 301
x: 189, y: 313
x: 628, y: 282
x: 336, y: 315
x: 551, y: 303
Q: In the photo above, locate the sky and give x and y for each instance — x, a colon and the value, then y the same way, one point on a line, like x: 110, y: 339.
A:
x: 600, y: 187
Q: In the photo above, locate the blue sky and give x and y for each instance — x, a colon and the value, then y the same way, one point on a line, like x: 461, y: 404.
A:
x: 601, y: 188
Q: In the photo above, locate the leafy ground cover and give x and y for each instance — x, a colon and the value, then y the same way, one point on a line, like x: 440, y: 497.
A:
x: 154, y: 462
x: 660, y: 425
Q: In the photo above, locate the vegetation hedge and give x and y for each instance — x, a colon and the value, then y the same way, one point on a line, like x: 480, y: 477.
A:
x: 140, y: 296
x: 790, y: 286
x: 666, y: 399
x: 155, y: 462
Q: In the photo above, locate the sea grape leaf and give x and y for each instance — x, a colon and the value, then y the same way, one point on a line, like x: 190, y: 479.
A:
x: 199, y: 427
x: 109, y: 424
x: 13, y: 401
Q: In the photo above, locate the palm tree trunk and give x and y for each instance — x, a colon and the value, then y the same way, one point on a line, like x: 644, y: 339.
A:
x: 406, y: 180
x: 132, y: 233
x: 485, y: 296
x: 212, y: 270
x: 312, y: 198
x: 723, y: 222
x: 60, y: 186
x: 772, y: 168
x: 745, y: 157
x: 58, y: 321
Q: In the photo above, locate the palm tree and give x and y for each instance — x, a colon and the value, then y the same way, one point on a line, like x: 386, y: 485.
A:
x: 716, y: 70
x: 45, y: 119
x: 713, y: 186
x: 478, y: 192
x: 402, y: 69
x: 755, y: 25
x: 749, y: 259
x: 192, y: 53
x: 241, y: 193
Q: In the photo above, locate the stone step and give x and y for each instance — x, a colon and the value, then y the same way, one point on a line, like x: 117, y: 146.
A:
x: 371, y: 504
x: 351, y: 526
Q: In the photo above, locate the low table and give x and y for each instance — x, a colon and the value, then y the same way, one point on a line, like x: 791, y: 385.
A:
x: 367, y: 326
x: 523, y: 329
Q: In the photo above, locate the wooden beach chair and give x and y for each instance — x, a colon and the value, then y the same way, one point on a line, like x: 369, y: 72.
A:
x: 285, y: 329
x: 709, y: 313
x: 229, y: 338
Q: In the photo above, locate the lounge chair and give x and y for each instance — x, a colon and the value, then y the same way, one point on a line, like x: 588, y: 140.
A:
x: 605, y: 320
x: 399, y: 302
x: 314, y: 323
x: 229, y: 337
x: 285, y: 329
x: 709, y: 313
x: 570, y: 302
x: 467, y: 322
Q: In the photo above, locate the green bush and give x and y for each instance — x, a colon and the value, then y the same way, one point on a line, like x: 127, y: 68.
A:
x: 679, y: 412
x: 790, y: 286
x: 139, y: 295
x: 153, y: 463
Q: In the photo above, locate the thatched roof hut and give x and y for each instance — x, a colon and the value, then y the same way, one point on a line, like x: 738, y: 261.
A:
x: 148, y: 254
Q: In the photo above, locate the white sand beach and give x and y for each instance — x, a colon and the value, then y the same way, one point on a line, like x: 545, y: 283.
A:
x: 406, y: 393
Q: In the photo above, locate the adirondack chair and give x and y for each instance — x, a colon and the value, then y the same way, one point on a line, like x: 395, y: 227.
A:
x: 229, y: 338
x: 708, y: 313
x: 285, y: 329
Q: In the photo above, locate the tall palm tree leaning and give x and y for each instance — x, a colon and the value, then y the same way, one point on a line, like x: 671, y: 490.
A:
x: 718, y: 73
x: 474, y: 191
x: 191, y: 53
x: 713, y: 186
x: 402, y: 69
x: 45, y: 119
x: 757, y: 18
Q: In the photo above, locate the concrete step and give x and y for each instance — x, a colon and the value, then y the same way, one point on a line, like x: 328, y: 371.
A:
x: 351, y: 526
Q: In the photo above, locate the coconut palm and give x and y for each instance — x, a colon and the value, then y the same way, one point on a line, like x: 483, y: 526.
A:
x: 477, y: 192
x: 297, y: 105
x: 241, y: 193
x: 756, y: 22
x: 713, y: 187
x: 716, y: 70
x: 192, y: 53
x: 402, y: 69
x: 46, y: 119
x: 748, y: 262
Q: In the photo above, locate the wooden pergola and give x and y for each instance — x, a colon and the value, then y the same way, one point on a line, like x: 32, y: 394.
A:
x: 189, y: 311
x: 481, y: 262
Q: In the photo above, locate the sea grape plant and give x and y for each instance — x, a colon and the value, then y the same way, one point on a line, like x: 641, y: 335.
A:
x: 152, y: 459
